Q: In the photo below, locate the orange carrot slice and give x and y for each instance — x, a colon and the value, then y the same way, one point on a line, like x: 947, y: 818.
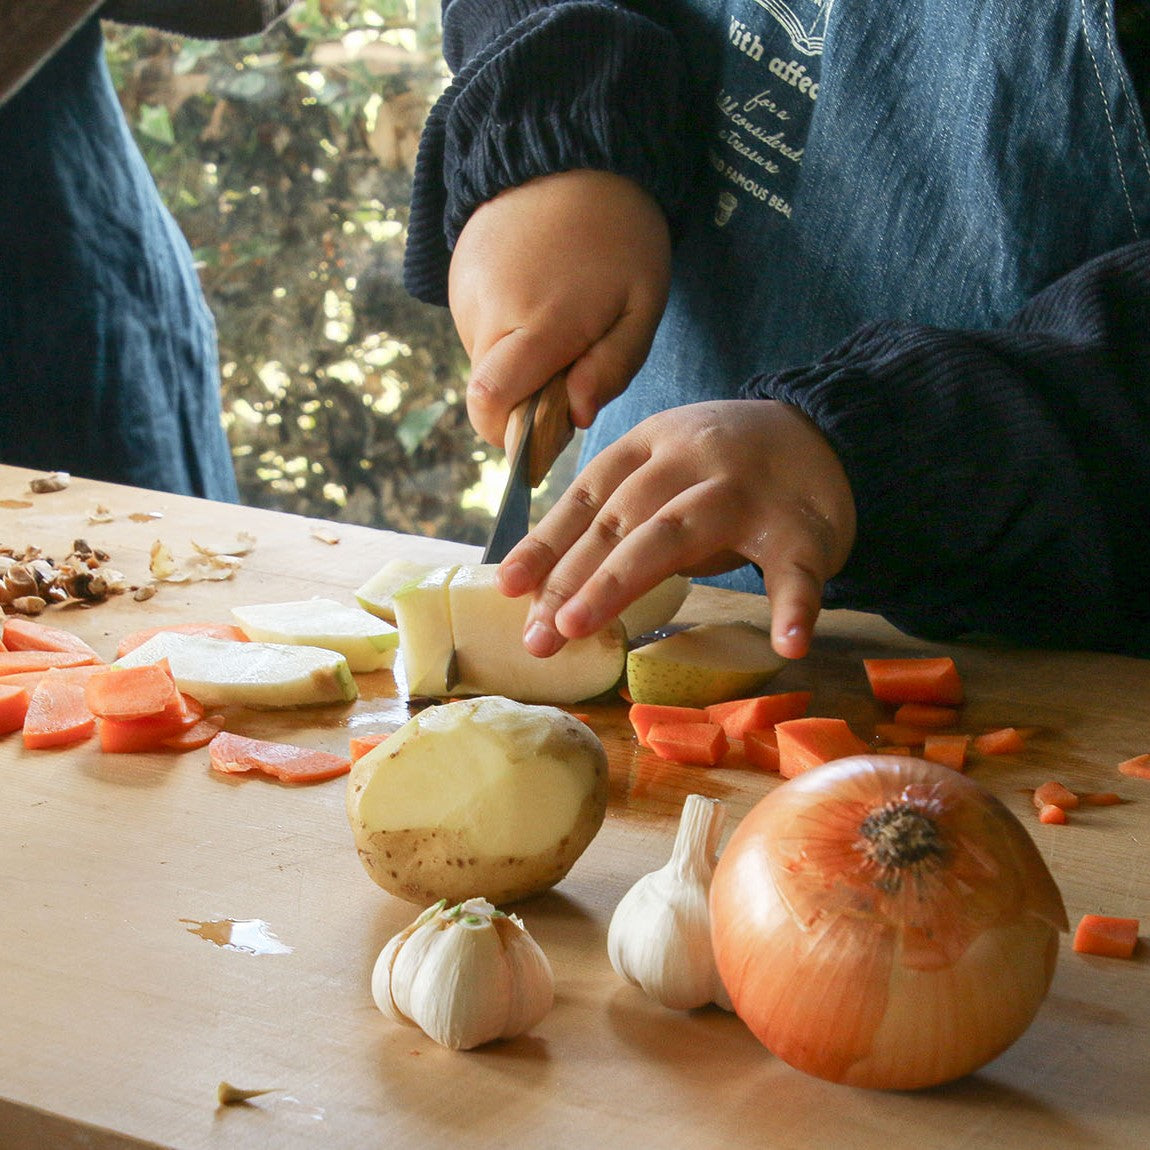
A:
x: 198, y: 735
x: 761, y: 749
x: 1004, y: 741
x: 149, y: 732
x: 644, y: 715
x: 1052, y: 814
x: 1135, y: 768
x: 701, y: 744
x: 813, y: 740
x: 1106, y: 935
x: 926, y: 715
x: 758, y: 713
x: 931, y: 680
x: 949, y: 750
x: 15, y: 662
x: 58, y: 712
x: 13, y: 707
x: 125, y: 693
x: 1054, y: 793
x: 212, y: 630
x: 359, y: 745
x: 23, y: 634
x: 1100, y: 799
x: 237, y: 754
x: 902, y: 733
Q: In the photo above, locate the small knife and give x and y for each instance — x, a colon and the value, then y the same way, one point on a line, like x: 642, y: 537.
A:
x: 539, y: 428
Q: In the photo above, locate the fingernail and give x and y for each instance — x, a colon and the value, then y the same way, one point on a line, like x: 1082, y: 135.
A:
x: 540, y: 639
x: 514, y: 578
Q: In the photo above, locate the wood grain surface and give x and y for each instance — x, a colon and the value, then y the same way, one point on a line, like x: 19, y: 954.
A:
x: 121, y: 1009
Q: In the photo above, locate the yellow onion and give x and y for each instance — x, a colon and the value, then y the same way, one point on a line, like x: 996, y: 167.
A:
x: 884, y: 922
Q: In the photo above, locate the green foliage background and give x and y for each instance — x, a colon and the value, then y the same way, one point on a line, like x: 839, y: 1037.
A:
x: 287, y: 160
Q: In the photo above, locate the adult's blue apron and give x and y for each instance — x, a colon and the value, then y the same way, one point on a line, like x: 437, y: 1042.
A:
x: 108, y: 359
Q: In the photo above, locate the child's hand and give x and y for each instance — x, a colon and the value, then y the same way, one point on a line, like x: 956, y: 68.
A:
x: 698, y: 490
x: 567, y: 271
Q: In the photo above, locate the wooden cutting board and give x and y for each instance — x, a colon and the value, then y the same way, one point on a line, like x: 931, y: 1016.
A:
x: 163, y: 928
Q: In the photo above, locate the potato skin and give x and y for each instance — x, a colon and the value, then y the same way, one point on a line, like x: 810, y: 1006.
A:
x: 425, y: 864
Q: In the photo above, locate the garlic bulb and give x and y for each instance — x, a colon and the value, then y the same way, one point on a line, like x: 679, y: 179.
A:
x: 464, y: 975
x: 660, y: 934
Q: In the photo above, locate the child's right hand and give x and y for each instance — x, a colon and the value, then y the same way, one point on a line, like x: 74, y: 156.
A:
x: 567, y: 271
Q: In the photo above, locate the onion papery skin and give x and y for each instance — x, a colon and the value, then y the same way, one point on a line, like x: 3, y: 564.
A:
x: 884, y: 976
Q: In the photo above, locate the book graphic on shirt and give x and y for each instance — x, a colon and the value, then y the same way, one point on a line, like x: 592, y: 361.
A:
x: 807, y: 32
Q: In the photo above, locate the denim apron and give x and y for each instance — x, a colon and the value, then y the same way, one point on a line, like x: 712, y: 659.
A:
x: 927, y: 160
x: 108, y: 360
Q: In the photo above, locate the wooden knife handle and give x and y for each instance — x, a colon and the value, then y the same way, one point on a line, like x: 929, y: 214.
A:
x: 551, y: 430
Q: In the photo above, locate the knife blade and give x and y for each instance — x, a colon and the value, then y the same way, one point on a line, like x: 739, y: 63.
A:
x: 539, y: 428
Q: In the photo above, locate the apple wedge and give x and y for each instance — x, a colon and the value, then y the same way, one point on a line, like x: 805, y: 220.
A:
x: 460, y: 635
x: 705, y: 664
x: 490, y: 659
x: 377, y: 594
x: 219, y: 672
x: 368, y: 643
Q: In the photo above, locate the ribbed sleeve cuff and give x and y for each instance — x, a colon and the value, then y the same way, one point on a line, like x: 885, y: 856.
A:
x: 585, y: 85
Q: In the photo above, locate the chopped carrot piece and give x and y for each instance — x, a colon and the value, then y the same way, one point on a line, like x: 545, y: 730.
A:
x: 22, y: 634
x: 237, y: 754
x: 58, y: 712
x: 1106, y: 935
x: 701, y: 744
x: 149, y: 732
x: 1056, y: 794
x: 926, y: 715
x: 738, y: 716
x: 761, y: 749
x: 1100, y: 799
x: 813, y: 740
x: 949, y: 750
x: 1136, y: 768
x: 212, y: 630
x: 198, y: 735
x: 13, y: 707
x: 14, y: 662
x: 359, y: 745
x: 902, y: 734
x: 930, y: 680
x: 1004, y: 741
x: 1052, y: 814
x: 644, y: 715
x: 133, y: 692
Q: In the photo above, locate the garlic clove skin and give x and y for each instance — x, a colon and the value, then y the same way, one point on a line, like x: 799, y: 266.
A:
x: 465, y: 975
x: 659, y: 938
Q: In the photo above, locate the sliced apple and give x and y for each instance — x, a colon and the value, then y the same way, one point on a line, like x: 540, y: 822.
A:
x: 377, y: 594
x: 219, y: 672
x: 490, y: 659
x: 426, y: 647
x: 367, y: 643
x: 701, y: 665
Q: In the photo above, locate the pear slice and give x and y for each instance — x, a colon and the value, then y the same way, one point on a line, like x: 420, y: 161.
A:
x: 219, y: 672
x: 657, y: 607
x: 426, y: 647
x: 706, y: 664
x: 366, y: 642
x: 487, y: 629
x: 377, y: 594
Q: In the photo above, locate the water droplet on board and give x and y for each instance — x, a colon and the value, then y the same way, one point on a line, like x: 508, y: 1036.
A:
x: 250, y: 935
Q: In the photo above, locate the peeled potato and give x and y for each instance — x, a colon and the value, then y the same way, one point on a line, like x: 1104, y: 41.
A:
x: 481, y: 796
